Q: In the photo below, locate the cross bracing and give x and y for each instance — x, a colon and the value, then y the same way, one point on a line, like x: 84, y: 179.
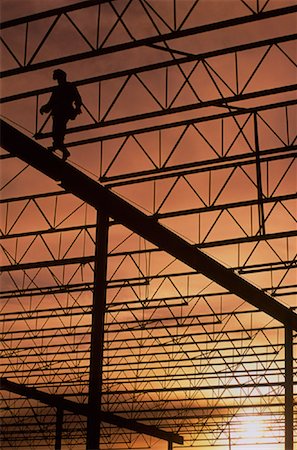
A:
x: 154, y: 365
x: 180, y: 352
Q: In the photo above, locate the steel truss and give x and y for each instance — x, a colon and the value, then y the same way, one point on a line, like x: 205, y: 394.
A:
x: 186, y: 351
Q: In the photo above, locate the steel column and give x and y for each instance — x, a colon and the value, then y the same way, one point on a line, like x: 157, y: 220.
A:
x: 289, y: 403
x: 96, y: 195
x: 97, y: 333
x: 259, y: 178
x: 59, y: 428
x: 57, y: 401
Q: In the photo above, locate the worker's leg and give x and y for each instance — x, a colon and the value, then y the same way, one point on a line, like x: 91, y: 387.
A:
x: 59, y: 130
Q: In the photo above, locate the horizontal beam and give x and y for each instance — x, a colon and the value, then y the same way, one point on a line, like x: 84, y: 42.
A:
x: 157, y: 66
x: 211, y: 165
x: 210, y: 244
x: 68, y: 288
x: 52, y: 398
x: 89, y: 3
x: 216, y: 338
x: 146, y: 41
x: 196, y: 411
x: 219, y: 102
x: 51, y: 13
x: 42, y: 333
x: 33, y: 314
x: 50, y: 263
x: 211, y: 353
x: 58, y: 401
x: 99, y: 197
x: 212, y: 117
x: 247, y: 268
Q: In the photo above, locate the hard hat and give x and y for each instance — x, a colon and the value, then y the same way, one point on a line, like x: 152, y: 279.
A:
x: 59, y: 73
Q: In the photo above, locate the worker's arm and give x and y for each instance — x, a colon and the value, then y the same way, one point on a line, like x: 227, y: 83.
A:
x: 77, y: 101
x: 47, y: 107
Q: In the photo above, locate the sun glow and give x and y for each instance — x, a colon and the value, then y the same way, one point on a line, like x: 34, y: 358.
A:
x: 253, y: 429
x: 252, y: 432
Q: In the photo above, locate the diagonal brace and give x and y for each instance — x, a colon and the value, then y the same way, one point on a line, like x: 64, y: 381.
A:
x: 99, y: 197
x: 57, y: 401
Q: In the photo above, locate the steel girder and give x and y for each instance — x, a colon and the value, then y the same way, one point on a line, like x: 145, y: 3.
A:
x: 57, y: 401
x: 150, y: 41
x: 101, y: 198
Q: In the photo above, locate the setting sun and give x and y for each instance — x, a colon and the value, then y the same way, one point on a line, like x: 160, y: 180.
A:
x: 253, y: 432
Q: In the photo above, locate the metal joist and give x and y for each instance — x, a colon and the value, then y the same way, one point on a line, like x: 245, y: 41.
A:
x: 101, y: 198
x: 57, y: 401
x: 219, y: 102
x: 157, y: 66
x: 134, y: 43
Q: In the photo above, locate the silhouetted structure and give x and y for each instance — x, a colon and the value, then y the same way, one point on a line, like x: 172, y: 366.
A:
x: 98, y: 320
x: 64, y: 105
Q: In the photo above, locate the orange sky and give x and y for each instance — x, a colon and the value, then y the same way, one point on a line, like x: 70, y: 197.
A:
x: 179, y: 359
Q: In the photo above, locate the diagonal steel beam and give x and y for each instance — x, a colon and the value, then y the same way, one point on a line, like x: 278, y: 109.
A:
x: 121, y: 211
x: 57, y: 401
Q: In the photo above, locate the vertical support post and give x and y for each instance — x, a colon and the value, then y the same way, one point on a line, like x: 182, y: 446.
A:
x: 59, y: 428
x: 170, y: 445
x: 289, y: 403
x: 97, y: 333
x: 259, y: 178
x: 36, y: 113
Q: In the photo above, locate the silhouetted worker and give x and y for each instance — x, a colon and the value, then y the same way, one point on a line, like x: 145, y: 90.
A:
x: 64, y: 104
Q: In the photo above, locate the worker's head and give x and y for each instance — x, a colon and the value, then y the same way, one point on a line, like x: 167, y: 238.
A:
x: 59, y: 75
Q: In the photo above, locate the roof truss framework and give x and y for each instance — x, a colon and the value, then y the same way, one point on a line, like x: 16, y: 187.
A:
x: 167, y: 327
x: 72, y: 180
x: 178, y: 30
x: 65, y: 405
x: 101, y: 199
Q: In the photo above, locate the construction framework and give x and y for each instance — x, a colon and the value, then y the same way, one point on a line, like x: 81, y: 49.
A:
x: 149, y: 284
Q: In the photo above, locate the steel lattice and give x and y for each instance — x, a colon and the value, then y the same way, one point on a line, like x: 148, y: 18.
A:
x: 189, y: 115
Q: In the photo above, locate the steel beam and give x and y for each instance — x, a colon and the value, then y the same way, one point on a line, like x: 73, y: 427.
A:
x: 191, y: 334
x: 140, y: 42
x: 51, y: 263
x: 99, y: 197
x: 289, y: 390
x: 156, y: 66
x: 57, y: 401
x: 97, y: 332
x: 51, y: 13
x: 220, y: 102
x: 240, y: 240
x: 59, y: 428
x: 83, y: 260
x: 225, y: 115
x: 261, y: 214
x: 202, y: 28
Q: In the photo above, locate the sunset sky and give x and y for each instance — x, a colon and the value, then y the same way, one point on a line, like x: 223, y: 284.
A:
x: 169, y: 126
